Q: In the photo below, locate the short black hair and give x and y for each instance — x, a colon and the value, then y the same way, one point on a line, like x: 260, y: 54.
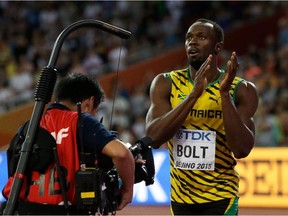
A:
x: 77, y: 87
x: 219, y: 32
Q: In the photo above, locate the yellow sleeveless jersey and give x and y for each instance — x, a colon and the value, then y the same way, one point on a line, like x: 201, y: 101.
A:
x: 202, y: 166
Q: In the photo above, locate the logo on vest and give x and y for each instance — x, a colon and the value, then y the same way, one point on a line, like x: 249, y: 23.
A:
x: 60, y: 135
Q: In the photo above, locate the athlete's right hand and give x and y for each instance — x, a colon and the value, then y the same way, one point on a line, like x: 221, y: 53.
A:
x: 200, y: 81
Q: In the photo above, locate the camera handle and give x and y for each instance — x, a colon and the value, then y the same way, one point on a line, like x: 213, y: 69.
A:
x: 142, y: 143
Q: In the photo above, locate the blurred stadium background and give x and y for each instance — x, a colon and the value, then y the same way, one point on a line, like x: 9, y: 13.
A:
x: 256, y: 30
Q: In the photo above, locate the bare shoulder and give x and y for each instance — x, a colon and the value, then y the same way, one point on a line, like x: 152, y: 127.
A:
x: 162, y: 78
x: 161, y: 83
x: 247, y: 88
x: 160, y: 91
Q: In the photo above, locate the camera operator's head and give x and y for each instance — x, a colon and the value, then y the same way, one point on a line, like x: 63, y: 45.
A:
x: 78, y: 87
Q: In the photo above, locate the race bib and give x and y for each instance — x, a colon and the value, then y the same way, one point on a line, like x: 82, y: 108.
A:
x: 194, y: 149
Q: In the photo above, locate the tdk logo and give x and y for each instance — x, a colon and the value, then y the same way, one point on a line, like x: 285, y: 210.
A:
x: 195, y: 135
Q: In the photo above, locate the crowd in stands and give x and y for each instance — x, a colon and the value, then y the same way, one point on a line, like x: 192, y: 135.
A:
x: 268, y: 69
x: 28, y: 30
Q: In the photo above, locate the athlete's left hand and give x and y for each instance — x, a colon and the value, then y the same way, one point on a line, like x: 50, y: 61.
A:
x: 230, y: 73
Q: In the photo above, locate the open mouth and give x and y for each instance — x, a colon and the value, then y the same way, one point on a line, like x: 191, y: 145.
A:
x: 193, y: 52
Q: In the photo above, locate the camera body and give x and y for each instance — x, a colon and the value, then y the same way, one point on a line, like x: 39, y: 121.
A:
x: 98, y: 188
x: 97, y: 191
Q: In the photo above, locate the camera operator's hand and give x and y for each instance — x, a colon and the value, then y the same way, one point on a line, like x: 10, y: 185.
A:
x: 140, y: 161
x: 126, y: 196
x: 125, y: 165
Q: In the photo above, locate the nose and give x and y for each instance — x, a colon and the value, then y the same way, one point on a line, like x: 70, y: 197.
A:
x: 192, y: 40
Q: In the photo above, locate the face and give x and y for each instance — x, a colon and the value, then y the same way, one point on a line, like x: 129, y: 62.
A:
x: 200, y: 42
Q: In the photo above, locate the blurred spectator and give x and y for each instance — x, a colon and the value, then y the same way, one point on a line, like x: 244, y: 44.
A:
x: 124, y: 133
x: 253, y: 70
x: 93, y: 62
x: 6, y: 94
x: 169, y: 28
x: 283, y: 32
x: 282, y: 114
x: 121, y: 113
x: 22, y: 83
x: 139, y: 126
x: 76, y: 64
x: 139, y: 100
x: 268, y: 131
x: 117, y: 55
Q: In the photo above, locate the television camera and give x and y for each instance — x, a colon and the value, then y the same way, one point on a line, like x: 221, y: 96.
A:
x: 97, y: 188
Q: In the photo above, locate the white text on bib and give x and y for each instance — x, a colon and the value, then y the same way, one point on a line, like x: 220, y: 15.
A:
x: 194, y: 149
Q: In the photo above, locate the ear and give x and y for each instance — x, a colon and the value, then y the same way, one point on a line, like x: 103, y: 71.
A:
x: 88, y: 105
x: 218, y: 48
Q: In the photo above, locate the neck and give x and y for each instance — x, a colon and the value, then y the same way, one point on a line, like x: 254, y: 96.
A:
x: 68, y: 104
x: 212, y: 75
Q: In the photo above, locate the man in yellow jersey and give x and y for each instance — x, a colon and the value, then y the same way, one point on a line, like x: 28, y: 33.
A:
x: 206, y: 116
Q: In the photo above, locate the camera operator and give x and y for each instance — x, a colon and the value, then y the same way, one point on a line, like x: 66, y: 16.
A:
x: 40, y: 193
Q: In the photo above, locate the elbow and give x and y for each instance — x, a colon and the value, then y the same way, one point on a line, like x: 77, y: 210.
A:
x: 129, y: 156
x: 125, y: 155
x: 157, y: 141
x: 155, y: 145
x: 242, y: 153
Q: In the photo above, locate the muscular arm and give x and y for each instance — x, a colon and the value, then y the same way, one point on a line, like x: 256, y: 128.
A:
x: 161, y: 121
x: 125, y: 165
x: 238, y: 120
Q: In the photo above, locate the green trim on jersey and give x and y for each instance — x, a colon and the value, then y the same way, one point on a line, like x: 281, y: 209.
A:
x: 232, y: 208
x: 198, y: 186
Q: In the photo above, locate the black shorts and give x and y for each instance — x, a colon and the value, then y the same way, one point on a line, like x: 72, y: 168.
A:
x: 221, y: 207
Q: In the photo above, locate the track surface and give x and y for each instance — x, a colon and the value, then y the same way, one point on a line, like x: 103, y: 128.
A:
x: 164, y: 210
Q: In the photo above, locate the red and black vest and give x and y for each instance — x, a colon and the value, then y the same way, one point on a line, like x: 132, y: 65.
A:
x: 45, y: 188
